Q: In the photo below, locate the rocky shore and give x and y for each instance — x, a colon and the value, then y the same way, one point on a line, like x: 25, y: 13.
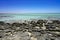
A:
x: 30, y: 30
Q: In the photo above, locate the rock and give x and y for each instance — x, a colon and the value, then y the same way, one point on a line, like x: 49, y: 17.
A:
x: 2, y: 27
x: 33, y: 38
x: 18, y: 28
x: 37, y: 27
x: 2, y: 34
x: 30, y: 30
x: 1, y: 23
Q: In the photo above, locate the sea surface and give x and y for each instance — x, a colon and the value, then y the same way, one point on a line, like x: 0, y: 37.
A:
x: 29, y: 16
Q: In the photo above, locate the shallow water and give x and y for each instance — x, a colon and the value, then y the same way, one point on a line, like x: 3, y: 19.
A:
x: 28, y: 16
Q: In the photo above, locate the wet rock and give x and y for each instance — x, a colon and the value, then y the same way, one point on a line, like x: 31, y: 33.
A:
x: 40, y: 21
x: 56, y: 21
x: 16, y: 24
x: 1, y: 23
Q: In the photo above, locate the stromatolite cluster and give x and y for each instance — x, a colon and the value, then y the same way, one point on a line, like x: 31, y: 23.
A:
x: 30, y: 30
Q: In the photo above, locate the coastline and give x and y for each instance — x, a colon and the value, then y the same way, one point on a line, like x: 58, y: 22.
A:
x: 30, y: 27
x: 34, y: 29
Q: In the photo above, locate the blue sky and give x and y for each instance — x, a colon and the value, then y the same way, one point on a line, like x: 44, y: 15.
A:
x: 29, y: 6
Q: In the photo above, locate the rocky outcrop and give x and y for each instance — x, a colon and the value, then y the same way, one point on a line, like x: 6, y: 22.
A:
x: 30, y: 30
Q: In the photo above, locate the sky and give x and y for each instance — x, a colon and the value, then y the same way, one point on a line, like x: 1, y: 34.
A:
x: 29, y: 6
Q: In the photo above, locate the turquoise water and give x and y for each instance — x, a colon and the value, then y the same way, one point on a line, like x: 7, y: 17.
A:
x: 29, y: 16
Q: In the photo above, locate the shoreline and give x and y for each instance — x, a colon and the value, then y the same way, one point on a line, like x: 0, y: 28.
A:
x: 9, y: 21
x: 32, y: 29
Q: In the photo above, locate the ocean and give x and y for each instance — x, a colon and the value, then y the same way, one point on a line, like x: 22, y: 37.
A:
x: 29, y: 16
